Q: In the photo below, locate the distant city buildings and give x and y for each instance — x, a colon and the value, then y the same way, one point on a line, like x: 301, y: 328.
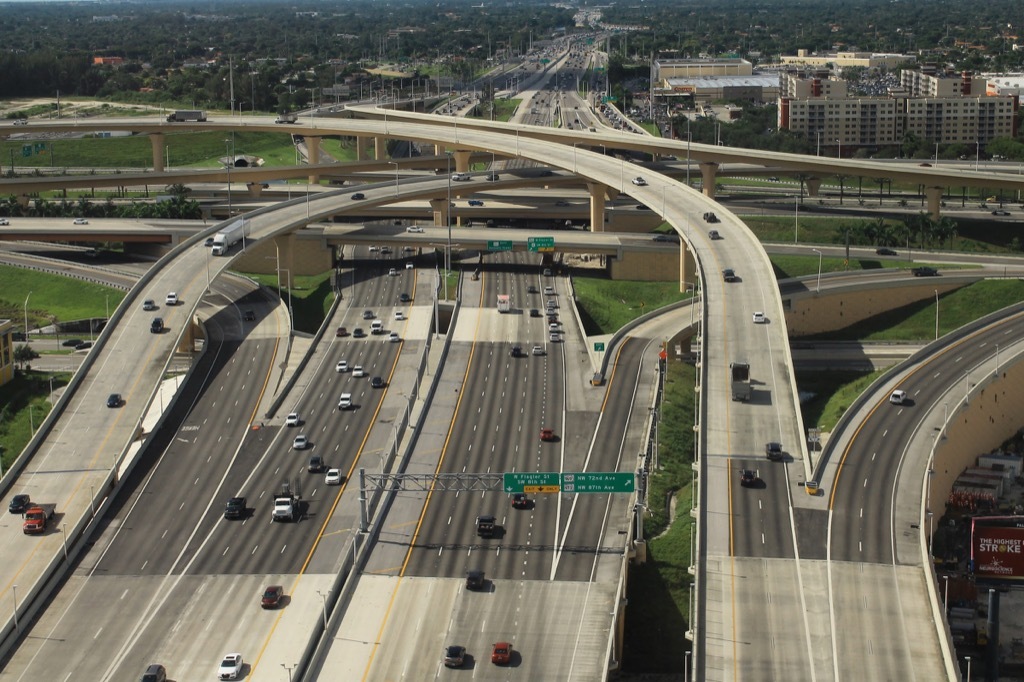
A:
x: 931, y: 104
x: 712, y: 79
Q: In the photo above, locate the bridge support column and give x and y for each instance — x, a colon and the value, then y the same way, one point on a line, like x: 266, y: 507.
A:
x: 813, y: 185
x: 157, y: 142
x: 461, y: 159
x: 708, y: 172
x: 313, y: 156
x: 687, y: 267
x: 362, y: 150
x: 380, y: 148
x: 441, y: 210
x: 597, y: 201
x: 255, y: 189
x: 934, y: 197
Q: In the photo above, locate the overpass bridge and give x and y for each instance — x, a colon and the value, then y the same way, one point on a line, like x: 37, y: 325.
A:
x: 777, y: 638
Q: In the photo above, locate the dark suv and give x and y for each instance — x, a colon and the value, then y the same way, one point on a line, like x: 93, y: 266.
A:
x: 773, y: 451
x: 316, y: 464
x: 157, y: 325
x: 235, y: 508
x: 155, y: 673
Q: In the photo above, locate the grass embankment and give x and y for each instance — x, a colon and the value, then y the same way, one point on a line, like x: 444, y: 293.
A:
x: 25, y: 403
x: 190, y: 150
x: 52, y: 297
x: 659, y: 589
x: 606, y: 305
x: 311, y: 297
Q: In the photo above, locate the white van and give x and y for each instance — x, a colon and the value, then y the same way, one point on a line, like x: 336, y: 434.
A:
x: 377, y: 327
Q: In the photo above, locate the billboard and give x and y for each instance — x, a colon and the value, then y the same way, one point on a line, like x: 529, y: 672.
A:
x: 997, y: 548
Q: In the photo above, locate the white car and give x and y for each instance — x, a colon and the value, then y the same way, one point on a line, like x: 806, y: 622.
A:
x: 358, y: 372
x: 300, y: 443
x: 898, y: 397
x: 549, y: 291
x: 393, y: 337
x: 81, y: 221
x: 409, y: 265
x: 149, y: 304
x: 537, y: 350
x: 392, y: 272
x: 759, y: 318
x: 399, y: 315
x: 292, y: 419
x: 461, y: 177
x: 638, y: 181
x: 172, y: 299
x: 230, y: 668
x: 554, y: 337
x: 342, y: 366
x: 4, y: 222
x: 414, y: 228
x: 333, y: 477
x: 345, y: 401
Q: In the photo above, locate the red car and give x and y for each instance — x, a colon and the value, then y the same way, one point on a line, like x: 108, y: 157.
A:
x: 272, y: 597
x: 502, y: 653
x: 547, y: 435
x: 342, y: 331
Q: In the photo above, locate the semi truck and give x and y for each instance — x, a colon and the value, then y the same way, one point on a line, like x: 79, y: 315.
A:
x: 504, y: 303
x: 286, y: 504
x: 740, y: 380
x: 286, y: 118
x: 186, y: 115
x: 37, y: 518
x: 228, y: 237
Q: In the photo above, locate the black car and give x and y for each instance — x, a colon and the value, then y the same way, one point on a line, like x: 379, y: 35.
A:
x: 71, y: 343
x: 83, y: 345
x: 924, y: 271
x: 404, y: 298
x: 710, y: 217
x: 377, y: 382
x: 368, y: 315
x: 316, y: 464
x: 235, y: 508
x: 475, y: 579
x: 516, y: 352
x: 729, y: 275
x: 520, y: 501
x: 534, y: 312
x: 885, y: 251
x: 115, y: 400
x: 208, y: 242
x: 358, y: 333
x: 1000, y: 212
x: 773, y: 451
x: 19, y: 503
x: 249, y: 316
x: 532, y: 290
x: 748, y: 477
x: 357, y: 196
x: 157, y: 325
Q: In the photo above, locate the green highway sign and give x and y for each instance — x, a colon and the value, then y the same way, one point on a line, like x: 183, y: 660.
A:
x: 540, y: 243
x: 499, y: 246
x: 598, y: 346
x: 599, y: 482
x: 530, y: 482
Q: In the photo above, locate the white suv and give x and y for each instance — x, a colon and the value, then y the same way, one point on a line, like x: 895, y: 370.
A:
x: 345, y: 401
x: 172, y: 299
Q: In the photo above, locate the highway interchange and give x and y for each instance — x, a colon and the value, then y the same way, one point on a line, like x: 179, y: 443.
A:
x: 177, y: 614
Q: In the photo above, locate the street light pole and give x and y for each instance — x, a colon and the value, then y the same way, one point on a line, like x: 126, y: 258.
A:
x: 936, y: 313
x: 290, y: 312
x: 840, y: 143
x: 26, y: 317
x: 231, y: 162
x: 448, y: 218
x: 817, y: 287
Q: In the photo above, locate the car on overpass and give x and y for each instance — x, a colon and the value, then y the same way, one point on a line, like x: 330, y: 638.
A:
x: 773, y: 451
x: 454, y: 656
x: 729, y: 275
x: 639, y: 181
x: 748, y: 477
x: 924, y: 271
x: 230, y: 667
x: 501, y: 654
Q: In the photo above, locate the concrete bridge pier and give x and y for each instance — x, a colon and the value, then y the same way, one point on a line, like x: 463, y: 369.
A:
x: 933, y: 195
x: 708, y: 172
x: 461, y: 159
x: 380, y: 148
x: 813, y: 185
x: 157, y: 142
x: 255, y: 189
x: 442, y: 211
x: 362, y: 150
x: 598, y: 193
x: 313, y: 155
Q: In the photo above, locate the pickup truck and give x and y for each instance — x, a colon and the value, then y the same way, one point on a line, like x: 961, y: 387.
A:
x: 485, y: 526
x: 37, y: 518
